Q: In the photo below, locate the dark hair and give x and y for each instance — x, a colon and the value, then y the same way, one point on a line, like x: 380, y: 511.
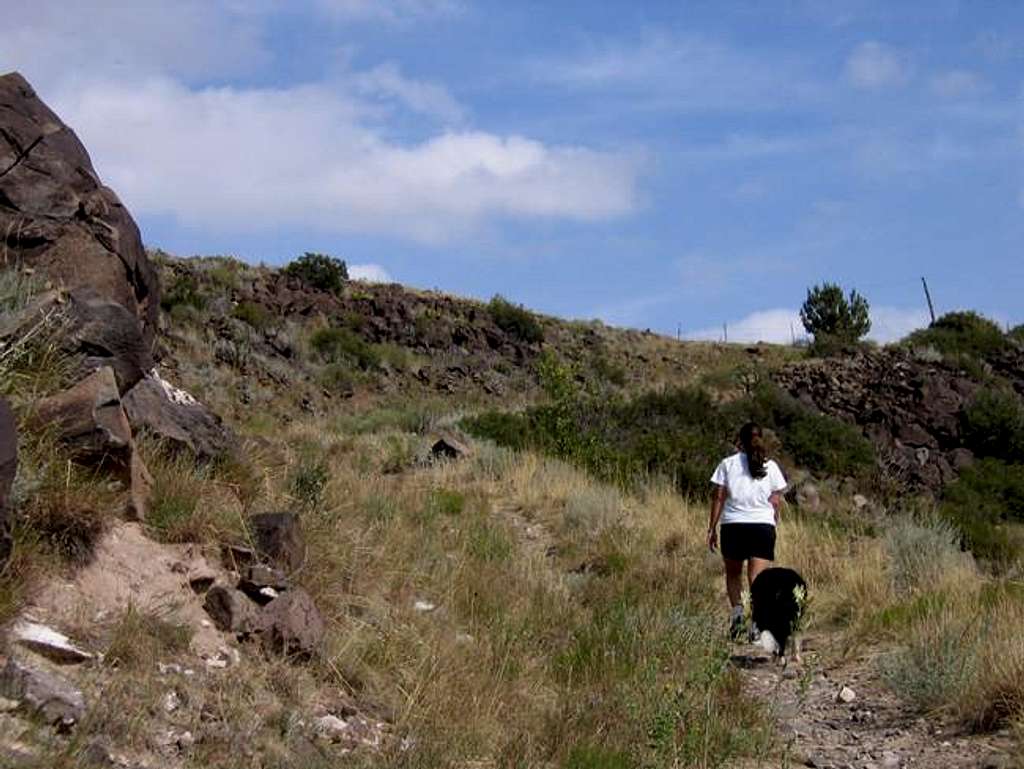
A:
x: 752, y: 444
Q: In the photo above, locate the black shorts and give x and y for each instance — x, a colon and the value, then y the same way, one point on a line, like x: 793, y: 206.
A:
x: 741, y: 541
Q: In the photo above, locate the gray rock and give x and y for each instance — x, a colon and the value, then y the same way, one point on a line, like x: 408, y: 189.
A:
x: 59, y: 217
x: 177, y: 419
x: 48, y: 642
x: 50, y: 697
x: 292, y: 625
x: 808, y: 497
x: 262, y: 583
x: 231, y: 610
x: 88, y: 416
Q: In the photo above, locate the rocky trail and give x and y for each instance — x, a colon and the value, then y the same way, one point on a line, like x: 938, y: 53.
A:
x: 838, y: 714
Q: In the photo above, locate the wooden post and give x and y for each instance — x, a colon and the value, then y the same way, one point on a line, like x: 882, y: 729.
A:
x: 928, y: 296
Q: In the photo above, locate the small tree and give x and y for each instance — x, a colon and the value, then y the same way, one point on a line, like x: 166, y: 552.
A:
x: 319, y: 271
x: 828, y: 313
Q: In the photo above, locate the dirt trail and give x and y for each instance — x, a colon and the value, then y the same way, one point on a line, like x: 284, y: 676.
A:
x: 875, y: 730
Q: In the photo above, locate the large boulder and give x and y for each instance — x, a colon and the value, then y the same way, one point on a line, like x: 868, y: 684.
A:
x: 88, y: 417
x: 46, y: 695
x: 8, y: 469
x: 58, y: 217
x: 178, y: 419
x: 292, y: 625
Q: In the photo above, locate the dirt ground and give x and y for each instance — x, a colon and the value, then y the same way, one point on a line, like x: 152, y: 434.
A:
x: 874, y: 730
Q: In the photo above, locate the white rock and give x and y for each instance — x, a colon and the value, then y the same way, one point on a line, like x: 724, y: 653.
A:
x: 860, y: 501
x: 424, y: 606
x: 186, y: 740
x: 6, y: 705
x: 846, y: 694
x: 169, y: 668
x: 269, y: 592
x: 172, y: 701
x: 890, y: 760
x: 330, y: 726
x: 48, y: 642
x: 464, y: 638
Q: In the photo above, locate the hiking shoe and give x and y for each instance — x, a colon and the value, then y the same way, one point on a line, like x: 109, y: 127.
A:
x: 736, y: 627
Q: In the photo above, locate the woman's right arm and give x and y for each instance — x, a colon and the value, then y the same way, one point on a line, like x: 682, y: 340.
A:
x: 717, y: 502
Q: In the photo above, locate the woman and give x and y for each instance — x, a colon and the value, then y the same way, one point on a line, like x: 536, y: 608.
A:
x: 747, y: 494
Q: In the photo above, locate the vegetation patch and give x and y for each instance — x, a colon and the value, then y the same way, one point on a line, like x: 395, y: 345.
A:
x: 319, y: 271
x: 515, y: 320
x: 679, y: 434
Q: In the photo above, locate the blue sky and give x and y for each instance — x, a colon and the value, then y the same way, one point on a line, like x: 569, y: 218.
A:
x: 658, y: 165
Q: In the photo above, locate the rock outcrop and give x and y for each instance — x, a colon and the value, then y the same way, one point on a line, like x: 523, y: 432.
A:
x: 58, y: 217
x: 178, y: 419
x: 909, y: 408
x: 89, y: 418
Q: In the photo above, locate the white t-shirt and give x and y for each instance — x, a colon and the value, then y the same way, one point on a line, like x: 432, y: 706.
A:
x: 749, y: 498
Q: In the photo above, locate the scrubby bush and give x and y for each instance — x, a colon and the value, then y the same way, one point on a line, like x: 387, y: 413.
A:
x: 254, y: 314
x: 319, y: 271
x: 827, y: 313
x: 335, y: 345
x: 994, y: 425
x: 987, y: 495
x: 183, y: 292
x: 679, y: 434
x: 515, y: 320
x: 1017, y: 333
x: 960, y: 333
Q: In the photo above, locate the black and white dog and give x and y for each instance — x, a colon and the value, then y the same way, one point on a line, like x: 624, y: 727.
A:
x: 777, y: 600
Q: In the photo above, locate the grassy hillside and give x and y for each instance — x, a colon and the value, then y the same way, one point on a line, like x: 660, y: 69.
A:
x: 549, y: 603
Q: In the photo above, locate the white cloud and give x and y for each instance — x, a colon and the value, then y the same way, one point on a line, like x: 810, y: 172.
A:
x: 388, y: 10
x: 875, y: 66
x: 891, y: 323
x: 778, y: 325
x: 53, y: 41
x: 681, y: 72
x: 306, y: 156
x: 782, y: 326
x: 419, y: 96
x: 371, y: 273
x: 959, y: 83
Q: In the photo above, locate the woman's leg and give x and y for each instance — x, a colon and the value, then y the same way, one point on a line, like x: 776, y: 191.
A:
x: 734, y: 581
x: 754, y: 567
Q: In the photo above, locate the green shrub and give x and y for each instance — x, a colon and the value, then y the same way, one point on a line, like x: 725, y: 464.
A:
x: 828, y: 313
x: 680, y: 434
x: 1017, y: 333
x: 960, y: 333
x: 986, y: 496
x: 183, y: 292
x: 515, y: 320
x: 253, y: 313
x: 334, y: 345
x: 994, y: 425
x: 319, y: 271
